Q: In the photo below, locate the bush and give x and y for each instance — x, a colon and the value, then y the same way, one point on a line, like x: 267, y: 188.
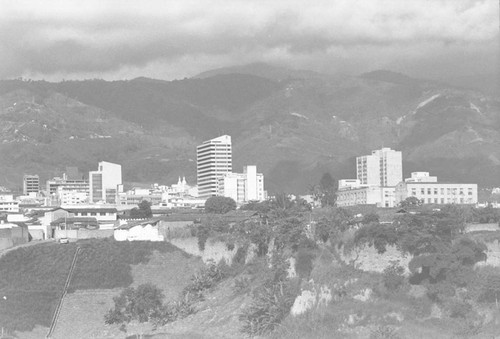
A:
x: 139, y: 304
x: 240, y: 255
x: 487, y: 287
x: 271, y: 301
x: 144, y: 304
x: 393, y: 277
x: 143, y: 211
x: 304, y: 263
x: 206, y: 278
x: 459, y: 309
x: 241, y: 284
x: 270, y: 305
x: 384, y: 332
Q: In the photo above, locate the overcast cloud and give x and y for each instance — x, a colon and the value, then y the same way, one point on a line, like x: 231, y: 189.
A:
x: 118, y: 39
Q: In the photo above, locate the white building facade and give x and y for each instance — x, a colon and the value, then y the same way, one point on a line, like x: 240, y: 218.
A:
x: 8, y: 204
x: 105, y: 183
x: 367, y: 195
x: 377, y: 175
x: 213, y: 159
x: 243, y: 187
x: 434, y: 192
x: 383, y: 167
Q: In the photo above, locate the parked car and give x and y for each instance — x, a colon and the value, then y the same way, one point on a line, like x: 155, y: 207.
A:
x: 64, y: 241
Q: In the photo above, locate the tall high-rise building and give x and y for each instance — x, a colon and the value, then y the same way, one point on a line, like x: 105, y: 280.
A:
x: 383, y: 167
x: 31, y: 184
x: 214, y: 159
x: 105, y: 183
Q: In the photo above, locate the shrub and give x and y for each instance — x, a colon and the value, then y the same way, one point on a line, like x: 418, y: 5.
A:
x: 144, y: 304
x: 459, y: 309
x: 421, y: 306
x: 271, y: 301
x: 304, y: 263
x: 270, y: 305
x: 393, y: 277
x: 487, y: 287
x: 240, y: 255
x: 384, y: 332
x: 206, y: 278
x: 139, y: 304
x: 241, y: 284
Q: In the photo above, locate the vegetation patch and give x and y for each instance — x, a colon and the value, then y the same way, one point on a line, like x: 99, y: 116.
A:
x: 32, y: 278
x: 271, y: 301
x: 105, y: 264
x: 145, y: 304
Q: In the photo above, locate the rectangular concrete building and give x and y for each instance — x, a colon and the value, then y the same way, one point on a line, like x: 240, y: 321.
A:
x: 213, y: 160
x: 383, y: 167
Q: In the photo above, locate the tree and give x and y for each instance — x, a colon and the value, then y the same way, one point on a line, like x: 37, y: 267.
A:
x: 144, y: 210
x: 219, y: 205
x: 332, y: 222
x: 141, y: 304
x: 410, y: 202
x: 326, y: 191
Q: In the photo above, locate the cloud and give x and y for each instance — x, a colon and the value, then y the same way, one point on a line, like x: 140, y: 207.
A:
x: 118, y: 37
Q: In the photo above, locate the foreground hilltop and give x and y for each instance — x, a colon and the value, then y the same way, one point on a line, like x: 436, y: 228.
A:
x: 294, y: 125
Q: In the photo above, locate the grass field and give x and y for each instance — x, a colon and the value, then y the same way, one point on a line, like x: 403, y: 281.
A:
x: 32, y: 278
x: 82, y: 313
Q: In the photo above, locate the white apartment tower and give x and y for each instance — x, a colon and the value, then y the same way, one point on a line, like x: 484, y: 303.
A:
x: 243, y: 187
x: 383, y: 167
x: 214, y: 159
x: 105, y: 183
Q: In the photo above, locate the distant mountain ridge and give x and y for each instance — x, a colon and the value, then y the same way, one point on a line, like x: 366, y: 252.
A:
x: 293, y: 128
x: 276, y: 73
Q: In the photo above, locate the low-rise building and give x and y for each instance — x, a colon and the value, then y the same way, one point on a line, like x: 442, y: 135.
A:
x: 434, y: 192
x: 349, y: 183
x: 8, y: 204
x: 367, y: 195
x: 139, y: 231
x: 101, y: 214
x: 12, y: 234
x: 105, y: 218
x: 137, y: 195
x: 421, y: 177
x: 31, y: 184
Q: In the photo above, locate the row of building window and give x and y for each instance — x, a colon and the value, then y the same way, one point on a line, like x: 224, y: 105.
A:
x: 84, y: 214
x: 449, y: 191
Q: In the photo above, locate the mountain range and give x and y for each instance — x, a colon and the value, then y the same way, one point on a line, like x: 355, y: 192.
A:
x: 294, y: 125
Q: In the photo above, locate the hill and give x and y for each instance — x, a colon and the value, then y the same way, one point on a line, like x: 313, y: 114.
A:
x: 263, y: 70
x: 32, y: 278
x: 293, y: 126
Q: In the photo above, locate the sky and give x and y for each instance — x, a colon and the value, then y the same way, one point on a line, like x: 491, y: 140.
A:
x: 173, y: 39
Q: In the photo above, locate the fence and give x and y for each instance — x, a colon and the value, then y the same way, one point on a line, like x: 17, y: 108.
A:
x: 65, y: 291
x: 83, y: 233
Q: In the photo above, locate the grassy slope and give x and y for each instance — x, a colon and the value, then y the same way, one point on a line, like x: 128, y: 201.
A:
x: 82, y: 314
x: 31, y: 279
